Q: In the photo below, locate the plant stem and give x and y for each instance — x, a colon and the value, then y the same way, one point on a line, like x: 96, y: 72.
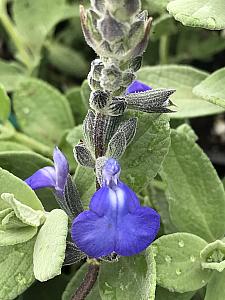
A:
x: 14, y: 35
x: 32, y: 144
x: 163, y: 49
x: 88, y: 282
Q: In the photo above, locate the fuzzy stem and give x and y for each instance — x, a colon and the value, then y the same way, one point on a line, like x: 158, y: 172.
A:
x: 99, y: 135
x: 88, y: 283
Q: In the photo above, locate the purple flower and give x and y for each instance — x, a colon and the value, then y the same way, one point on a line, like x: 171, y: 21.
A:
x: 136, y: 87
x: 52, y: 177
x: 116, y: 222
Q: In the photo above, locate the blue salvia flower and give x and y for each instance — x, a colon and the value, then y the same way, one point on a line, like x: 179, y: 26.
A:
x: 115, y: 221
x: 137, y: 86
x: 52, y: 177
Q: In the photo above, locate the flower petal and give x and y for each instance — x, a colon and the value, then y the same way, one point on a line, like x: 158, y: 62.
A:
x: 45, y: 177
x: 135, y: 232
x: 61, y: 168
x: 93, y: 235
x: 136, y: 87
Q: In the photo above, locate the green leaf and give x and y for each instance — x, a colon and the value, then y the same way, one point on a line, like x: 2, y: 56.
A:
x: 164, y: 294
x: 16, y: 265
x: 213, y: 88
x: 156, y: 6
x: 143, y: 158
x: 50, y: 246
x: 13, y: 236
x: 178, y: 263
x: 13, y: 161
x: 67, y: 60
x: 85, y: 93
x: 35, y: 19
x: 183, y: 79
x: 4, y: 104
x: 213, y: 256
x: 85, y: 182
x: 75, y: 283
x: 35, y: 103
x: 11, y: 75
x: 75, y: 135
x: 209, y: 14
x: 215, y: 287
x: 23, y: 212
x: 77, y: 105
x: 12, y: 184
x: 195, y: 193
x: 7, y: 131
x: 129, y: 278
x: 6, y: 146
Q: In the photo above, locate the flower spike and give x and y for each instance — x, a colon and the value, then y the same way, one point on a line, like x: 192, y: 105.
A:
x: 115, y: 221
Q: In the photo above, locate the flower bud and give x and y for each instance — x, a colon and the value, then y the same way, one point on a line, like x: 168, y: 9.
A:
x: 111, y: 78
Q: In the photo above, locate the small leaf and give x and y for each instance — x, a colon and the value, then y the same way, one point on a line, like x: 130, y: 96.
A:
x: 13, y: 236
x: 77, y: 105
x: 178, y: 263
x: 215, y: 287
x: 11, y: 75
x: 129, y: 278
x: 23, y: 212
x: 50, y: 246
x: 12, y: 184
x: 182, y: 79
x: 75, y: 283
x: 213, y: 256
x: 143, y: 158
x: 75, y: 135
x: 67, y: 60
x: 213, y: 88
x: 195, y: 193
x: 117, y: 145
x: 85, y: 93
x: 35, y: 103
x: 83, y: 156
x: 202, y: 13
x: 85, y: 181
x: 16, y: 265
x: 4, y: 104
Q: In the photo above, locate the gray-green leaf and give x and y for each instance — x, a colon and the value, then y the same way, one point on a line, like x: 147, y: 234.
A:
x: 195, y: 193
x: 129, y: 278
x: 178, y: 263
x: 4, y: 105
x: 209, y: 14
x: 215, y: 287
x: 42, y: 111
x: 213, y: 88
x: 50, y: 246
x: 16, y: 265
x: 143, y: 158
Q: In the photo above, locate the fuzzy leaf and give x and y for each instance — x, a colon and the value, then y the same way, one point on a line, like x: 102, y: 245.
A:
x: 129, y: 278
x: 16, y: 265
x: 209, y: 14
x: 183, y: 79
x: 35, y: 103
x: 50, y: 246
x: 21, y: 191
x: 6, y: 146
x: 17, y: 235
x: 78, y: 107
x: 215, y: 287
x: 11, y: 75
x: 143, y: 158
x: 178, y: 263
x: 23, y: 212
x: 195, y: 193
x: 164, y: 294
x: 213, y: 88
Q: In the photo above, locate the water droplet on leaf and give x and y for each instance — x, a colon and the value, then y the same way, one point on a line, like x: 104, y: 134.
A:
x: 192, y: 258
x: 181, y: 243
x: 168, y: 259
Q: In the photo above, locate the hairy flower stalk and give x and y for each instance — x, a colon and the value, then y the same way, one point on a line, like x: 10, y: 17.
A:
x: 118, y: 32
